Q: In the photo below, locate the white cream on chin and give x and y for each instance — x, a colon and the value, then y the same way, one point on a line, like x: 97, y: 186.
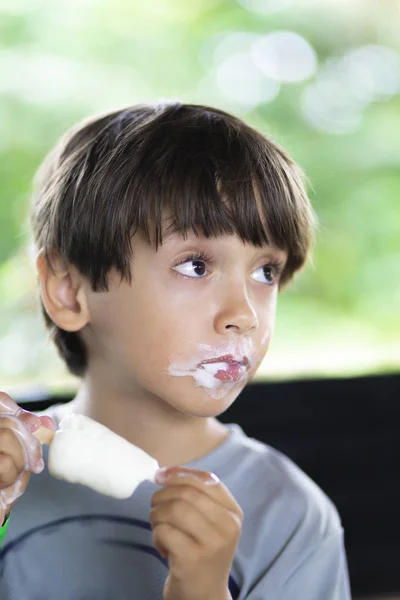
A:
x: 203, y: 376
x: 205, y: 379
x: 84, y: 451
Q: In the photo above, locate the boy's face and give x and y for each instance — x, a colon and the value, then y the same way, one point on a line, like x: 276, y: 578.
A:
x: 150, y: 337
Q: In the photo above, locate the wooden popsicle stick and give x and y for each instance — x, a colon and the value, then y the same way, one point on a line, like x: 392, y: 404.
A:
x: 44, y: 435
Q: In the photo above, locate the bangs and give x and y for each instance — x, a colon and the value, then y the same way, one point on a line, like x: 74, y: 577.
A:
x: 205, y: 183
x: 211, y: 174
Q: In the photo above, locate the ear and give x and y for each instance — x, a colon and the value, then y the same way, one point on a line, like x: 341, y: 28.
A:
x: 63, y: 292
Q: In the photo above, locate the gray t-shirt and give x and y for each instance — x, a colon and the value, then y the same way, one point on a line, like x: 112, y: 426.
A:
x: 67, y: 542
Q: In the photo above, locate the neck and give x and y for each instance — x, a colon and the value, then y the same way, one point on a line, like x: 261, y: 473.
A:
x: 168, y: 435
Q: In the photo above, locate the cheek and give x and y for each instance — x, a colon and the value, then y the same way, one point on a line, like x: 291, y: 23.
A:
x: 162, y: 323
x: 269, y: 325
x: 266, y: 320
x: 176, y: 308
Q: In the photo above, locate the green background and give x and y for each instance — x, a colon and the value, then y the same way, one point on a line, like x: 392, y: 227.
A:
x: 62, y: 60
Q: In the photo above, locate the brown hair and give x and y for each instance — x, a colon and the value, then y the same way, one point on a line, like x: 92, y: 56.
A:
x: 115, y: 174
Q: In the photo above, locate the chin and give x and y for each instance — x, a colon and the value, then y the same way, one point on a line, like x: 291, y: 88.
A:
x: 202, y: 402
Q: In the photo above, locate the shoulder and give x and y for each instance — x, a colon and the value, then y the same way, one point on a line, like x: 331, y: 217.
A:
x: 287, y: 516
x: 267, y: 482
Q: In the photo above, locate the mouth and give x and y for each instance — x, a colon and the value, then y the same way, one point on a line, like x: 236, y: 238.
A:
x: 227, y: 358
x: 226, y: 368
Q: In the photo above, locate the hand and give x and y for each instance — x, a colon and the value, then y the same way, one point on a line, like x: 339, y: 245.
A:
x: 20, y: 451
x: 196, y: 523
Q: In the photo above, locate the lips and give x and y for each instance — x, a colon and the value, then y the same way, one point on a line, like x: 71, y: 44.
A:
x: 227, y: 358
x: 233, y: 370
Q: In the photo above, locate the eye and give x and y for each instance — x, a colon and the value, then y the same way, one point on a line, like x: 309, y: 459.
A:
x: 195, y: 263
x: 268, y: 273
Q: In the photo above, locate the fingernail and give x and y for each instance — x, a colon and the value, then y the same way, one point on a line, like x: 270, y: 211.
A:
x: 213, y: 479
x: 161, y: 476
x: 40, y: 466
x: 190, y: 476
x: 164, y: 474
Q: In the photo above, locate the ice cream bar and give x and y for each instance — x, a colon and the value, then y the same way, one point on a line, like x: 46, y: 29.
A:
x: 84, y: 451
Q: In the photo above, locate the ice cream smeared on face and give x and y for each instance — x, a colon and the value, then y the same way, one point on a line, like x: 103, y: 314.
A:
x: 217, y: 370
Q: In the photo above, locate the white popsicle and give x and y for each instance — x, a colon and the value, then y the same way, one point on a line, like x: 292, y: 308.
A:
x: 84, y: 451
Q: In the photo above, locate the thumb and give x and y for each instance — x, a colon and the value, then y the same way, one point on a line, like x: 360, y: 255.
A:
x: 34, y: 422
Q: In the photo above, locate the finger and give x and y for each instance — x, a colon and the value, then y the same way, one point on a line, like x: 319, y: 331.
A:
x: 181, y: 515
x: 206, y: 482
x: 10, y: 446
x: 170, y: 540
x: 43, y: 429
x: 8, y: 471
x: 45, y: 435
x: 48, y: 422
x: 7, y: 404
x: 165, y: 474
x: 31, y: 420
x: 216, y: 526
x: 219, y: 516
x: 31, y: 447
x: 10, y: 408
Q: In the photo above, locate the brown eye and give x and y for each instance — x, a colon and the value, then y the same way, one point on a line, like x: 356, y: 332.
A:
x: 268, y: 273
x: 265, y: 274
x: 192, y: 267
x: 200, y: 267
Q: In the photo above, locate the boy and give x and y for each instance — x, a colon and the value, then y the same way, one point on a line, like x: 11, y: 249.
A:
x: 163, y: 234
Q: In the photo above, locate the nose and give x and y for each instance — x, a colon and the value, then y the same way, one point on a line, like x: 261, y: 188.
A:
x: 235, y: 313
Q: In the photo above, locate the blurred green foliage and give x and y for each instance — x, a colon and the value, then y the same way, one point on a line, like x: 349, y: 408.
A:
x: 60, y: 61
